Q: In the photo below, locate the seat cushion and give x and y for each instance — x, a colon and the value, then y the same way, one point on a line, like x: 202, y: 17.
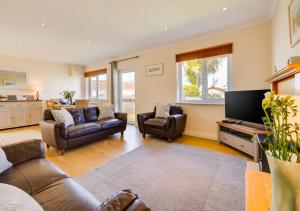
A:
x: 66, y: 194
x: 156, y: 123
x: 77, y: 114
x: 76, y: 131
x: 109, y: 123
x: 33, y: 175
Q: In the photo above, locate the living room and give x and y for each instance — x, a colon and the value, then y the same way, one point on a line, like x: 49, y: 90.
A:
x: 108, y: 98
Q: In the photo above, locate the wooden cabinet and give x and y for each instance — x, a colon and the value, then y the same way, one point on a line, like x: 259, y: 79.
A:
x: 5, y: 115
x: 18, y: 114
x: 34, y: 115
x: 241, y: 136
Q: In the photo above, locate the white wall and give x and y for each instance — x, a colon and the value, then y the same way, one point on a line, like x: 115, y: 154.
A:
x: 49, y: 78
x: 281, y: 49
x: 250, y: 66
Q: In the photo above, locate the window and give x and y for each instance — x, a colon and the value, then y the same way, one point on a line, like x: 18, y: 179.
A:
x: 203, y: 78
x: 98, y: 87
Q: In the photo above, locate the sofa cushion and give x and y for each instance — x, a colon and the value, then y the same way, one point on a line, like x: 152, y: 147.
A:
x: 176, y: 110
x: 76, y: 131
x: 109, y: 123
x: 63, y: 116
x: 66, y: 194
x: 4, y: 163
x: 13, y: 198
x: 77, y: 114
x: 33, y: 175
x: 156, y: 123
x: 91, y: 114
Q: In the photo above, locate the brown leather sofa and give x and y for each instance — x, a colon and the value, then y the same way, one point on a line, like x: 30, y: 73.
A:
x: 52, y: 188
x: 170, y: 128
x: 87, y: 128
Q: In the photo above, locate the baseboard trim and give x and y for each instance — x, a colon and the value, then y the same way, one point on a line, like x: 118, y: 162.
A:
x: 201, y: 135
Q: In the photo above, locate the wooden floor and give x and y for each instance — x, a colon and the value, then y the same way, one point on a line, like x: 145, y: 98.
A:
x: 87, y: 157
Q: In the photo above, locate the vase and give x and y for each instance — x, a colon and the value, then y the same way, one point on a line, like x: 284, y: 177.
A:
x: 285, y: 184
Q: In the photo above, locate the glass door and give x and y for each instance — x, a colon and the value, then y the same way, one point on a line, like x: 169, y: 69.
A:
x: 127, y: 94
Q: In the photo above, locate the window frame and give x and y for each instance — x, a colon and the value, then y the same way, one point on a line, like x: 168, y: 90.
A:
x: 97, y: 90
x: 204, y: 100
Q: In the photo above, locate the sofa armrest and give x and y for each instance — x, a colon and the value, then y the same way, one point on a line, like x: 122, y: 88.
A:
x: 24, y: 151
x: 121, y: 116
x: 121, y: 201
x: 176, y: 125
x: 54, y: 134
x: 141, y: 118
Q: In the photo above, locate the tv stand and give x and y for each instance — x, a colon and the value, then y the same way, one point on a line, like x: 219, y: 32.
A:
x: 241, y: 136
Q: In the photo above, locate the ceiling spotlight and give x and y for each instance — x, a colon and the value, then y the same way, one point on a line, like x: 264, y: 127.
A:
x: 166, y: 29
x: 43, y: 24
x: 53, y: 43
x: 88, y: 41
x: 224, y: 9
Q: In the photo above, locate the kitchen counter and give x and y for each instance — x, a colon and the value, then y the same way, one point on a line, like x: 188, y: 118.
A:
x: 16, y: 101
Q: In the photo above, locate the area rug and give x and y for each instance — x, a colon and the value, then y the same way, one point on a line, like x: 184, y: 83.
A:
x: 170, y: 177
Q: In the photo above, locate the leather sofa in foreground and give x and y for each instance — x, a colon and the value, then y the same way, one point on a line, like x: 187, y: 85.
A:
x: 87, y: 128
x: 52, y: 188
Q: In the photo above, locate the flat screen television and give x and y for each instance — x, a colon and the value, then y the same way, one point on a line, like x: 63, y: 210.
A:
x: 245, y: 105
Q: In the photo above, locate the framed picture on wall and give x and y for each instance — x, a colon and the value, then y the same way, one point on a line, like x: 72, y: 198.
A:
x: 9, y: 83
x: 294, y: 22
x: 156, y: 69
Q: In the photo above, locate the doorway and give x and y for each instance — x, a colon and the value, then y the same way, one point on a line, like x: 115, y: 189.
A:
x: 127, y: 94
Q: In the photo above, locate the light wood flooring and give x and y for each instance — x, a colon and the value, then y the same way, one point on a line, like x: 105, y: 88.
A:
x: 82, y: 159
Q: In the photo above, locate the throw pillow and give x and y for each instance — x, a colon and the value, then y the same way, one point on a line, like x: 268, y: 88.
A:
x: 63, y: 116
x: 162, y: 111
x: 15, y: 199
x: 4, y: 163
x: 106, y: 112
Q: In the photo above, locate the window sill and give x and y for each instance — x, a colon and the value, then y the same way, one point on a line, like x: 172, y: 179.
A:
x: 200, y: 103
x: 96, y: 100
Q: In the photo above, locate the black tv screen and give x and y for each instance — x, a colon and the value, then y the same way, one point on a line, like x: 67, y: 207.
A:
x: 245, y: 105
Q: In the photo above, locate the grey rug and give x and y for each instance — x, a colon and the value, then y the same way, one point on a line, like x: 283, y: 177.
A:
x: 173, y: 177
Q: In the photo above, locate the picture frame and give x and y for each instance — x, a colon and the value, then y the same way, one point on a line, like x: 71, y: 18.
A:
x: 154, y: 70
x: 294, y: 22
x: 9, y: 83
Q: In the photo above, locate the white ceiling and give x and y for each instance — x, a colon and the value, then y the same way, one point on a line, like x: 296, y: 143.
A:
x: 114, y: 27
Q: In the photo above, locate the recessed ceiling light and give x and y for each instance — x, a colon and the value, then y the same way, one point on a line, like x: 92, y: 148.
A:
x: 43, y: 24
x: 224, y: 9
x: 20, y: 45
x: 166, y: 28
x: 88, y: 41
x: 53, y: 43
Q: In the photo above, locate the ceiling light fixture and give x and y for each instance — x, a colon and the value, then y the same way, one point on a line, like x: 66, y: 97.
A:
x: 43, y: 24
x: 53, y: 43
x: 88, y: 41
x: 166, y: 29
x: 224, y: 9
x: 20, y: 45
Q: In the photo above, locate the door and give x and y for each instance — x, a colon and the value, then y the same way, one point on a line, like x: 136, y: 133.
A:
x: 5, y: 115
x: 19, y: 114
x: 34, y: 113
x: 127, y: 94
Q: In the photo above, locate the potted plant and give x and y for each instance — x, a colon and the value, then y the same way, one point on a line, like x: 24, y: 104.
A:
x: 68, y: 95
x: 282, y: 151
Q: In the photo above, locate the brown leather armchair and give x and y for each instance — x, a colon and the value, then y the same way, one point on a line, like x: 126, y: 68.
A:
x: 171, y: 127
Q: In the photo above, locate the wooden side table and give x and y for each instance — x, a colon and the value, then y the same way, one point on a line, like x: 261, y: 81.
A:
x: 258, y: 190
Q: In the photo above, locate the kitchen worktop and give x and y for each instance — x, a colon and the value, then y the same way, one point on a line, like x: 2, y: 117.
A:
x: 16, y: 101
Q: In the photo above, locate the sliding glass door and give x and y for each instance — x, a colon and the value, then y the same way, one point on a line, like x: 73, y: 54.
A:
x: 127, y: 94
